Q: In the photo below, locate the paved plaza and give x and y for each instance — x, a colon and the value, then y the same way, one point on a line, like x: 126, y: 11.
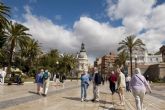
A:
x: 23, y: 97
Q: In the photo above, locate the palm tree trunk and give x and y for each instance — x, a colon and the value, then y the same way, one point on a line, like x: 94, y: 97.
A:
x: 131, y: 61
x: 10, y: 61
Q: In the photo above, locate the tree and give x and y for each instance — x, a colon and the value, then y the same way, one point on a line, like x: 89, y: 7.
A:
x: 30, y: 51
x: 121, y: 60
x: 130, y: 44
x: 17, y: 36
x: 4, y: 12
x: 67, y: 62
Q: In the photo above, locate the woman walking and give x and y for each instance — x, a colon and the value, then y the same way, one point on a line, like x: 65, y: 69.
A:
x: 112, y: 82
x: 121, y: 86
x: 138, y: 85
x: 84, y: 85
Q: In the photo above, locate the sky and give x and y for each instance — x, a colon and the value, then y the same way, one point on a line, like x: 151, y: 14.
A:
x: 99, y: 24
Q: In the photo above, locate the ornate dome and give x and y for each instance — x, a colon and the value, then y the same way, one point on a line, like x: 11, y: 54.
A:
x: 82, y: 55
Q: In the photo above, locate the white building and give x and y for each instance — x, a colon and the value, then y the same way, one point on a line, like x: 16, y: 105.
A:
x: 82, y: 60
x: 142, y: 57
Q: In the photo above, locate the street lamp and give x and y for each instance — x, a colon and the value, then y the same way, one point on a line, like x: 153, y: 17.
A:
x: 135, y: 61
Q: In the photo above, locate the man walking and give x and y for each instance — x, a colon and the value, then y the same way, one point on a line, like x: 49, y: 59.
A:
x: 39, y: 81
x: 46, y: 79
x: 96, y: 83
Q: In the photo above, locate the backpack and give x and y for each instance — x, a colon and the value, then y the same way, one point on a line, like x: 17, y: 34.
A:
x: 45, y: 76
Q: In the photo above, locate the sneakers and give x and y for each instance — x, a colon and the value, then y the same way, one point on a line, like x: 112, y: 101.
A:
x: 82, y: 100
x: 95, y: 100
x: 44, y: 95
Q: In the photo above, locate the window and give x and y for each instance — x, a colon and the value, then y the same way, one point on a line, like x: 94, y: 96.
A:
x: 157, y: 59
x: 151, y: 59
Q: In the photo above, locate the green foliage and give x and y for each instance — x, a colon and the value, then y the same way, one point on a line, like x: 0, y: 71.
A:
x: 122, y: 57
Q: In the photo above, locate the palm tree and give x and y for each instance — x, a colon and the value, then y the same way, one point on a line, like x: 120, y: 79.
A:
x: 130, y: 44
x: 68, y: 62
x: 4, y: 11
x: 17, y: 36
x: 30, y: 51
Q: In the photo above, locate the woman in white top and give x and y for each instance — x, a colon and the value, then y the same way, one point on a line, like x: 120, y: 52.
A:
x: 121, y: 86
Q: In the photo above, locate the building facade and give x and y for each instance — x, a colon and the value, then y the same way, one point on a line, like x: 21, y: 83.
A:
x: 143, y: 58
x: 107, y: 63
x: 82, y: 60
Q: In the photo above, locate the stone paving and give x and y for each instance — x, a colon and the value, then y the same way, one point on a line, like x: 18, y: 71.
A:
x: 68, y: 98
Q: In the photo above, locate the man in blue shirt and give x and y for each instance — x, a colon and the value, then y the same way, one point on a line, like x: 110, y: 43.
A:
x: 39, y: 81
x: 85, y: 78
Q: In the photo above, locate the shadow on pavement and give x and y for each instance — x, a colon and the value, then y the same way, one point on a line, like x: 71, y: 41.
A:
x: 79, y: 99
x: 73, y: 98
x: 109, y: 108
x: 105, y: 102
x: 32, y: 92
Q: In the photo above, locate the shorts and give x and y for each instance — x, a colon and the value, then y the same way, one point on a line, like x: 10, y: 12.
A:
x: 121, y: 90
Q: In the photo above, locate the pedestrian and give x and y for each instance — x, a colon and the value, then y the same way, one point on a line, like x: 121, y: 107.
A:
x: 112, y: 82
x: 39, y: 81
x: 128, y: 79
x: 121, y: 86
x: 46, y: 79
x: 2, y: 76
x: 139, y: 85
x: 54, y: 78
x: 96, y: 84
x: 85, y: 78
x: 63, y: 78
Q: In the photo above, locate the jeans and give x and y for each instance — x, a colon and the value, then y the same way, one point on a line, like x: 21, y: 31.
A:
x: 139, y: 96
x: 83, y: 90
x: 127, y: 86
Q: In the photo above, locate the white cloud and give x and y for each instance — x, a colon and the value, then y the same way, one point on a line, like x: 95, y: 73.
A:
x: 139, y: 15
x: 133, y: 13
x: 127, y: 8
x: 157, y: 18
x: 99, y: 38
x: 153, y: 39
x: 50, y: 34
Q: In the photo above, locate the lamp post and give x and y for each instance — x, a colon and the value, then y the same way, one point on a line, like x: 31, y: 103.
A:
x: 135, y: 61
